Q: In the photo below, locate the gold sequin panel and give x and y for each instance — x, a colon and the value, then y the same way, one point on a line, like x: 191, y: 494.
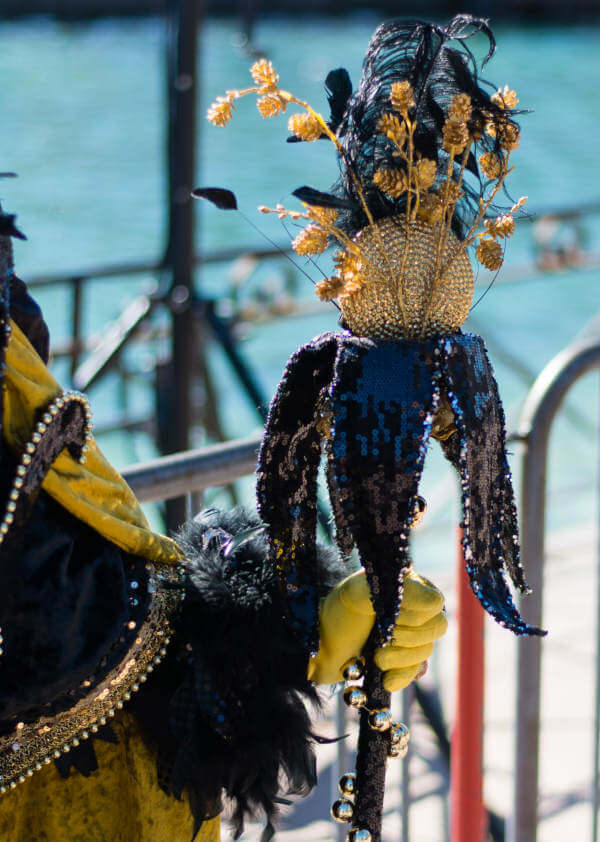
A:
x: 410, y: 288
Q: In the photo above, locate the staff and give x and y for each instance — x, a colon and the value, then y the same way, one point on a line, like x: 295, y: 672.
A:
x: 424, y: 153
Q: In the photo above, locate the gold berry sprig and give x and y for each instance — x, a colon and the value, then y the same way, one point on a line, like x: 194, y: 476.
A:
x: 494, y: 166
x: 489, y: 251
x: 273, y: 100
x: 315, y: 238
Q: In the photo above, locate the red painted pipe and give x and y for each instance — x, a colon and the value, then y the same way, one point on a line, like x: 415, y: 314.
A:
x: 467, y: 813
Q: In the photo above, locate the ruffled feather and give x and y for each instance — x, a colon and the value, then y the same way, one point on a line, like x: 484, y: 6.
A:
x: 438, y: 64
x: 237, y: 723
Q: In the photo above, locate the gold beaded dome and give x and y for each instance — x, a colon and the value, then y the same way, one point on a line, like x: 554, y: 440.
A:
x: 402, y: 294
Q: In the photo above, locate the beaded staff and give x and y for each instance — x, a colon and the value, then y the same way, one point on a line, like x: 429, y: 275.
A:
x: 424, y: 152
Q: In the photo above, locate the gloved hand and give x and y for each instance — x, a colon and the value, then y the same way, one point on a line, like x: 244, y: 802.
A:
x: 345, y: 620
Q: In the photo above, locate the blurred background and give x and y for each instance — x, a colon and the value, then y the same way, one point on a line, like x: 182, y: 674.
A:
x: 90, y: 96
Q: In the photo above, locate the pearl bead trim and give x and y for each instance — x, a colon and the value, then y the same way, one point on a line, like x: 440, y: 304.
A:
x: 31, y: 746
x: 56, y: 407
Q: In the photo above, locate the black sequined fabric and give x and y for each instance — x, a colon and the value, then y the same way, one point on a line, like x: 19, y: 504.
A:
x: 286, y: 486
x: 382, y: 396
x: 490, y: 527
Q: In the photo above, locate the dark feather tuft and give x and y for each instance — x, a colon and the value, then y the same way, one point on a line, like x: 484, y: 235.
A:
x: 339, y: 91
x: 221, y: 198
x: 8, y: 227
x: 237, y: 723
x: 439, y: 64
x: 323, y: 200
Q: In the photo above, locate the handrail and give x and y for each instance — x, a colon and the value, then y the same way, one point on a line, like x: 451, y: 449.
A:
x: 540, y: 408
x: 138, y: 267
x: 193, y: 470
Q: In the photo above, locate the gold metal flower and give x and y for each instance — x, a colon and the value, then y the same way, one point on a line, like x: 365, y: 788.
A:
x: 305, y: 126
x: 510, y: 136
x: 390, y: 126
x: 221, y: 111
x: 312, y: 240
x: 329, y: 288
x: 402, y: 97
x: 460, y: 108
x: 505, y: 98
x: 489, y: 253
x: 348, y: 265
x: 392, y: 182
x: 502, y: 226
x: 270, y: 105
x: 430, y: 208
x: 455, y: 135
x: 264, y: 73
x: 351, y: 288
x: 322, y: 216
x: 491, y: 164
x: 426, y: 171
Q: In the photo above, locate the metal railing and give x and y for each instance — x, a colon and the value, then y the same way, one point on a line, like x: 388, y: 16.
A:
x: 542, y: 404
x: 76, y: 281
x: 174, y: 476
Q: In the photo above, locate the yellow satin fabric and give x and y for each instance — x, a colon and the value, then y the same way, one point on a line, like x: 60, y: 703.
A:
x: 120, y: 802
x: 95, y: 493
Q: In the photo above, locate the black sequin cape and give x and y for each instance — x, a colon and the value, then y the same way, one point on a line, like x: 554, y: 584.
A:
x: 375, y: 401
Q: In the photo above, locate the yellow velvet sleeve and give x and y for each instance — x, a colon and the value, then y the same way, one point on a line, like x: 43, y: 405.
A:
x: 95, y: 492
x: 120, y: 802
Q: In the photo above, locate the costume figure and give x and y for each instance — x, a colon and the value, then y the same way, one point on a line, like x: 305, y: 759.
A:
x: 424, y: 151
x: 142, y: 678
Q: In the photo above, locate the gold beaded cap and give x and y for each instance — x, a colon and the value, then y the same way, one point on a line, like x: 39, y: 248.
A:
x: 401, y: 295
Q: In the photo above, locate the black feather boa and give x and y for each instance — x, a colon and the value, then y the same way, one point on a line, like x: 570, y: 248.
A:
x: 236, y: 692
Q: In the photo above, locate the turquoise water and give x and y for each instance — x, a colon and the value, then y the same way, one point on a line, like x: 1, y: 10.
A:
x: 82, y: 110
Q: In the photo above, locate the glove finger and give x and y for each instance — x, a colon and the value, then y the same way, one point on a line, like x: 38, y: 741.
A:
x: 395, y: 680
x: 408, y: 617
x: 421, y: 600
x: 355, y: 595
x: 395, y: 657
x: 420, y: 635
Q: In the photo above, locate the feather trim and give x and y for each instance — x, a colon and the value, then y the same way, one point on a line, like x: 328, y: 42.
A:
x: 236, y: 696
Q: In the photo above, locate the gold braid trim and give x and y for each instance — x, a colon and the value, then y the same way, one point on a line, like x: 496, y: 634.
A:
x: 31, y: 746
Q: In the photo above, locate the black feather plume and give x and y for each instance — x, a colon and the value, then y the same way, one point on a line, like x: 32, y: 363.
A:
x: 219, y: 196
x: 324, y: 200
x: 339, y: 91
x: 439, y: 64
x: 228, y: 716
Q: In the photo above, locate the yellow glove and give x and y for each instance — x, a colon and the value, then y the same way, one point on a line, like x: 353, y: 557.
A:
x: 345, y: 620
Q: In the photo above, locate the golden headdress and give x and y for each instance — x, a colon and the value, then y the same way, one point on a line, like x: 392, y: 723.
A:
x: 424, y: 150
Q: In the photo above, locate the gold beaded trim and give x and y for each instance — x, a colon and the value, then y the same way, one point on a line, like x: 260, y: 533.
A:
x: 30, y: 746
x: 30, y: 448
